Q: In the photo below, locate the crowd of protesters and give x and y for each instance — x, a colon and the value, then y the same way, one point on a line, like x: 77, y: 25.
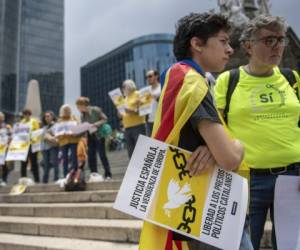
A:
x: 73, y: 151
x: 70, y: 150
x: 269, y: 140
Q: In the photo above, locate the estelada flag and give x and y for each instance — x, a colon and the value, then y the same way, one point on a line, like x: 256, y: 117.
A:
x: 184, y: 89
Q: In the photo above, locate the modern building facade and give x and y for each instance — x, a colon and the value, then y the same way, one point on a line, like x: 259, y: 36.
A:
x: 129, y: 61
x: 31, y: 47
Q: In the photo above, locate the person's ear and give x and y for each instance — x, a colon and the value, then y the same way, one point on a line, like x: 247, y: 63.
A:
x: 197, y: 44
x: 247, y: 45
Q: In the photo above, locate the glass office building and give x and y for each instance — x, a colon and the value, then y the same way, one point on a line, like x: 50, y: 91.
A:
x: 129, y: 61
x: 31, y: 47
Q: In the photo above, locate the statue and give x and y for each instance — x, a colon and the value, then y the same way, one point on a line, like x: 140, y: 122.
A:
x: 264, y: 6
x: 33, y: 98
x: 234, y: 10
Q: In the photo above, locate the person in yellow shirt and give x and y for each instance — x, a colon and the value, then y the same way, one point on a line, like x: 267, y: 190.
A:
x: 68, y: 142
x: 263, y: 114
x: 133, y: 123
x: 34, y: 124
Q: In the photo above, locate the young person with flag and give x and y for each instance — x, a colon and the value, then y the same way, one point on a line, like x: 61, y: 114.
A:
x: 186, y: 116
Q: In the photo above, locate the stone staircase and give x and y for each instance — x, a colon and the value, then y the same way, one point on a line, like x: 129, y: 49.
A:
x: 47, y: 218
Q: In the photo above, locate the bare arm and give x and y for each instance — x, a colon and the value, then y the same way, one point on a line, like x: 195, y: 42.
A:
x: 102, y: 118
x: 227, y: 153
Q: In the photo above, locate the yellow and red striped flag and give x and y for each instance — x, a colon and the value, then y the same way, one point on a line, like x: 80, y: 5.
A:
x: 184, y: 89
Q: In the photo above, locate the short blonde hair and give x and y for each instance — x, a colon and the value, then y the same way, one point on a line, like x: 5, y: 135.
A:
x: 130, y: 84
x: 63, y: 108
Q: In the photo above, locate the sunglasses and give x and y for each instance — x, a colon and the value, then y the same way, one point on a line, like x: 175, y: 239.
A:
x: 149, y: 76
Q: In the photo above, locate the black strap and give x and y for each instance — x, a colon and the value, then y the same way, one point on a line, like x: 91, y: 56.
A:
x: 234, y: 76
x: 290, y: 77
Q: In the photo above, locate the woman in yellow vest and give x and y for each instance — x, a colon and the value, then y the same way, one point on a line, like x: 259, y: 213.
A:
x: 34, y: 124
x: 133, y: 123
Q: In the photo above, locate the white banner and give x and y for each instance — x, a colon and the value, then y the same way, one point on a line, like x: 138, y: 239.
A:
x: 286, y: 212
x: 36, y: 140
x: 3, y: 145
x: 157, y: 188
x: 81, y: 128
x: 118, y: 100
x: 20, y: 128
x: 64, y: 128
x: 19, y: 146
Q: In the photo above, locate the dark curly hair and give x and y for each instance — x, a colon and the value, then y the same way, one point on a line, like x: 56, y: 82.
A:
x: 44, y: 119
x: 201, y: 25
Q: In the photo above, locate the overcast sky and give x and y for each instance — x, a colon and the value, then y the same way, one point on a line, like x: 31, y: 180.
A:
x: 95, y: 27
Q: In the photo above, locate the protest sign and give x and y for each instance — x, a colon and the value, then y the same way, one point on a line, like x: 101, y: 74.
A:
x: 298, y: 242
x: 118, y: 100
x: 286, y: 212
x: 36, y: 140
x: 145, y: 106
x: 157, y: 188
x: 19, y: 146
x: 81, y: 128
x: 3, y: 145
x: 21, y: 128
x: 64, y: 128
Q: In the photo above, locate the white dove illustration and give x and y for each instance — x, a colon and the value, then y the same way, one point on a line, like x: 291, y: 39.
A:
x: 176, y: 196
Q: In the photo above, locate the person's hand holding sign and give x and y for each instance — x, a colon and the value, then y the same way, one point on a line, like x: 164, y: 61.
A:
x: 200, y: 160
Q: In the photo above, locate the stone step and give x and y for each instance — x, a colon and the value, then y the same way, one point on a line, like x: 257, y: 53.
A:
x: 64, y: 210
x: 91, y: 229
x: 27, y: 242
x: 118, y: 173
x: 61, y: 197
x: 113, y: 230
x: 43, y: 188
x: 118, y: 162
